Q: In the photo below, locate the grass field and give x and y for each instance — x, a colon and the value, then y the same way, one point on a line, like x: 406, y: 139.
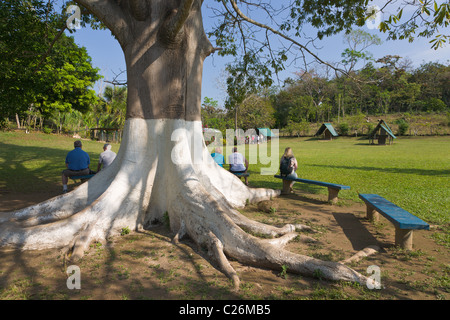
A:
x: 33, y: 162
x: 414, y: 173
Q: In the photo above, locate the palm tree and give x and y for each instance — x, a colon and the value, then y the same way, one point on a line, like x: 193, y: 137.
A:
x: 116, y: 103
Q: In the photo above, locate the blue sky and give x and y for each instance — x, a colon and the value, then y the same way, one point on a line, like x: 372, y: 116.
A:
x: 107, y: 55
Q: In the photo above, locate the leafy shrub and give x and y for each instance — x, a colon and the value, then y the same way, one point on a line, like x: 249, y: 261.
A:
x: 403, y: 126
x: 343, y: 128
x: 47, y: 130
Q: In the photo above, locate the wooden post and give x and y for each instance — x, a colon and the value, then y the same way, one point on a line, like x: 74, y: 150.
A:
x: 404, y: 238
x: 372, y: 213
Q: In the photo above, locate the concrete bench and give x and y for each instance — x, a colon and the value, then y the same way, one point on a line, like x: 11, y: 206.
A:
x: 333, y: 188
x: 403, y: 221
x: 82, y: 178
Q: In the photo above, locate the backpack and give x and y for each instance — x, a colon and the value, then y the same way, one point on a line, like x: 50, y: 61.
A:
x: 285, y: 166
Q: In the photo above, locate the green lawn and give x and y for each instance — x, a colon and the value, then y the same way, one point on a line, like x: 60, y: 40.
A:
x: 414, y: 173
x: 33, y: 162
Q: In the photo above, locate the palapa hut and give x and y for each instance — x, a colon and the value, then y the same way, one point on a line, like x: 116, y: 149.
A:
x: 266, y: 133
x: 383, y: 133
x: 327, y: 130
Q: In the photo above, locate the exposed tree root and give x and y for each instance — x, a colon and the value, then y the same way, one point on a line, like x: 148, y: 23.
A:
x: 216, y: 247
x: 366, y: 252
x: 146, y: 182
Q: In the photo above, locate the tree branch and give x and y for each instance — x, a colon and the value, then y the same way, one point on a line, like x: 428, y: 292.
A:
x: 139, y: 9
x: 282, y: 35
x: 50, y: 48
x: 116, y: 82
x: 176, y: 23
x: 110, y: 13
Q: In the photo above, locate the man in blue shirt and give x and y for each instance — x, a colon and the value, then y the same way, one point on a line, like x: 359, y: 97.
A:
x: 77, y: 163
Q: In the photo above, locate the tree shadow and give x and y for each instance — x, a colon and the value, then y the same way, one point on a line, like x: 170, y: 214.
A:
x: 412, y: 171
x: 43, y: 172
x: 356, y: 232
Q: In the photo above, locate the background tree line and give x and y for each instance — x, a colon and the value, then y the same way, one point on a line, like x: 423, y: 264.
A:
x: 46, y: 84
x: 391, y: 88
x: 46, y: 79
x: 363, y: 87
x: 314, y: 97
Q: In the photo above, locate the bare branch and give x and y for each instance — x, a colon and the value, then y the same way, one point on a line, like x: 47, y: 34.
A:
x: 115, y: 80
x: 301, y: 47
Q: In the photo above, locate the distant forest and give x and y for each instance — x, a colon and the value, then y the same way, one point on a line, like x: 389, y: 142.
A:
x: 296, y: 109
x: 314, y: 97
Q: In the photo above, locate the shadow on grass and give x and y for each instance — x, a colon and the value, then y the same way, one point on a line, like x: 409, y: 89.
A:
x: 29, y: 169
x: 389, y: 170
x: 136, y: 267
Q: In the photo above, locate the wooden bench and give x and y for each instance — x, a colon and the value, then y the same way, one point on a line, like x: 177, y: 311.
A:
x: 333, y: 188
x: 403, y: 221
x: 82, y: 178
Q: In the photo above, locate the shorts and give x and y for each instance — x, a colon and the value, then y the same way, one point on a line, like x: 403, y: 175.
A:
x: 292, y: 175
x: 74, y: 173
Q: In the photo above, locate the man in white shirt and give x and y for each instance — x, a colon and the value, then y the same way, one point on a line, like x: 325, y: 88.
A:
x: 238, y: 163
x: 106, y: 157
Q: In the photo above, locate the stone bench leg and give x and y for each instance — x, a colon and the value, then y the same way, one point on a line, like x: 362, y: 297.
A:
x: 286, y: 187
x: 333, y: 194
x: 404, y: 238
x: 372, y: 213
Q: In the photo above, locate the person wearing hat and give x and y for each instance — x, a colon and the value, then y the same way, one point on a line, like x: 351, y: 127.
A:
x: 106, y: 157
x: 77, y: 163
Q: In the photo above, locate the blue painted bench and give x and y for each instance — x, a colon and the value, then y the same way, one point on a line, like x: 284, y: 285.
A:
x: 241, y: 174
x: 333, y: 188
x: 403, y: 221
x: 244, y: 175
x: 82, y: 178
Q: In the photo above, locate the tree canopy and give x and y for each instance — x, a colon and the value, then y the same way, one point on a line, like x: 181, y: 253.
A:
x: 40, y: 65
x: 269, y: 36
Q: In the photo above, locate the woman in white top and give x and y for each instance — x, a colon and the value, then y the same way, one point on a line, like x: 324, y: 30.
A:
x: 238, y: 163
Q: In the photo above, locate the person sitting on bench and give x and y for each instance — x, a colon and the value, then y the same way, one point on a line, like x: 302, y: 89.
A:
x: 288, y: 165
x: 106, y: 157
x: 77, y: 163
x: 238, y: 163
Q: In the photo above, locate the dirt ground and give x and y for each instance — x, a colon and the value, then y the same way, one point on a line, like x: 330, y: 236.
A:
x: 146, y: 265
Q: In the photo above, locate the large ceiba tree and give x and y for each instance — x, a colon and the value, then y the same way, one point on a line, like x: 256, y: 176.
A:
x: 163, y: 166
